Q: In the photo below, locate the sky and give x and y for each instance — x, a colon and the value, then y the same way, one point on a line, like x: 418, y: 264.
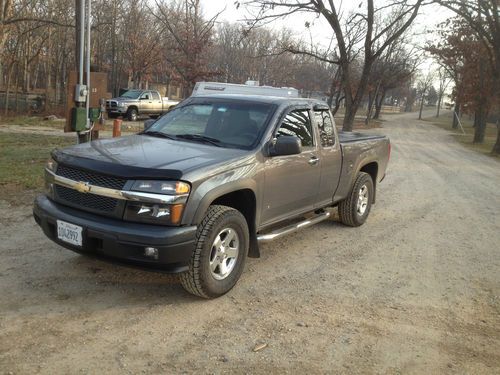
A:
x: 427, y: 19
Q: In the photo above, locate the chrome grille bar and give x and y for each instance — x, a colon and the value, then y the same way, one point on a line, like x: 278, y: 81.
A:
x: 84, y: 187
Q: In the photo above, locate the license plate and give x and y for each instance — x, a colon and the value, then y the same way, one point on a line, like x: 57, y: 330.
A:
x: 69, y: 233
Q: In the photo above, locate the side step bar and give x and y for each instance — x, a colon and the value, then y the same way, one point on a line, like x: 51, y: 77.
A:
x: 292, y: 228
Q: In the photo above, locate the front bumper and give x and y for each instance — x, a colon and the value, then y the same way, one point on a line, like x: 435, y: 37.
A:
x: 119, y: 241
x: 117, y: 110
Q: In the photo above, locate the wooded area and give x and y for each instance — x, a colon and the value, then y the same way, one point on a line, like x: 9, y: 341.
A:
x: 141, y: 42
x: 469, y: 51
x: 371, y: 60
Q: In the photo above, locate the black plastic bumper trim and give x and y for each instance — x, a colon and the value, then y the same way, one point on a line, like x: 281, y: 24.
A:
x: 118, y: 241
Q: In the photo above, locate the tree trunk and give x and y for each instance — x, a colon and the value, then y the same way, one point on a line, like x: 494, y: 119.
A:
x: 439, y: 104
x: 77, y: 33
x: 17, y: 93
x: 378, y: 105
x: 421, y: 107
x: 480, y: 125
x: 48, y: 72
x: 456, y: 115
x: 496, y: 147
x: 7, y: 89
x: 352, y: 103
x: 372, y: 98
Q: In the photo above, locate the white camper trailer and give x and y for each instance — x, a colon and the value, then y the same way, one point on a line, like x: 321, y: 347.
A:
x: 249, y: 88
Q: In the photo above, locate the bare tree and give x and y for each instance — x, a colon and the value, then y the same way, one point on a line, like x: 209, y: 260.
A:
x: 423, y: 85
x: 400, y: 15
x: 444, y: 81
x: 189, y: 37
x: 392, y: 70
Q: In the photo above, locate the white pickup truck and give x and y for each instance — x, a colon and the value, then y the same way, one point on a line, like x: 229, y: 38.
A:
x: 134, y: 103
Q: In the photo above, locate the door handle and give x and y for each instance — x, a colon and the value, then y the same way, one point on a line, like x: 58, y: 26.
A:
x: 313, y: 161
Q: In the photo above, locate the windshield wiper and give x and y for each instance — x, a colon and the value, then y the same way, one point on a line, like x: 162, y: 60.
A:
x: 201, y: 138
x: 154, y: 133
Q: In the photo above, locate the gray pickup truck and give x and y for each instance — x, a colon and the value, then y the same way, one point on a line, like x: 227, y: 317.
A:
x: 197, y: 191
x: 133, y: 103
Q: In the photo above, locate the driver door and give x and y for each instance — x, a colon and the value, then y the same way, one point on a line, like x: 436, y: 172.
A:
x: 146, y: 102
x: 292, y: 181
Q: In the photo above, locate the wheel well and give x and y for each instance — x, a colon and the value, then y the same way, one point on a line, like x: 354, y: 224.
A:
x: 372, y: 170
x: 132, y: 107
x: 243, y: 201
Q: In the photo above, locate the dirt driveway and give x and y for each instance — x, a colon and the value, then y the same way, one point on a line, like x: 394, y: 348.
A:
x: 416, y: 290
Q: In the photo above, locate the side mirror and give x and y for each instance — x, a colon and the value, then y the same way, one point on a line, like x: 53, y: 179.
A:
x: 286, y: 145
x: 148, y: 123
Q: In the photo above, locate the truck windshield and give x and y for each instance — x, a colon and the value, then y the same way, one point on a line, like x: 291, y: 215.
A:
x: 230, y: 124
x: 132, y: 94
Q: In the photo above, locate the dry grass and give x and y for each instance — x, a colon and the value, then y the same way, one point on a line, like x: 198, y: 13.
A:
x: 22, y: 161
x: 32, y: 121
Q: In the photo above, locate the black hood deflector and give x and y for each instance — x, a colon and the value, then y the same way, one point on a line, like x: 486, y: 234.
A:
x: 114, y: 169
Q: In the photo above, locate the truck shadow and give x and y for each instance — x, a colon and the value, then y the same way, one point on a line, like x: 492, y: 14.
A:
x: 75, y: 284
x: 48, y: 278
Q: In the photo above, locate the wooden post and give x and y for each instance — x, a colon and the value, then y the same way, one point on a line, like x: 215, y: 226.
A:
x: 117, y: 127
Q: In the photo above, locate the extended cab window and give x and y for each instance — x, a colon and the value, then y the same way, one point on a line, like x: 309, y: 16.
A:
x: 297, y: 123
x: 156, y: 96
x: 325, y: 125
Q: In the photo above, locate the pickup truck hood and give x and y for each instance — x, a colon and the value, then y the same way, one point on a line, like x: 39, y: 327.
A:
x: 144, y: 155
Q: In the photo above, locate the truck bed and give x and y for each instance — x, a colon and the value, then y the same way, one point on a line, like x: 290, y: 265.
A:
x: 346, y: 137
x: 360, y: 149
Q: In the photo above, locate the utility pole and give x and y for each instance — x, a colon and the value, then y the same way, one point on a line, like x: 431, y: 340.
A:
x: 80, y: 121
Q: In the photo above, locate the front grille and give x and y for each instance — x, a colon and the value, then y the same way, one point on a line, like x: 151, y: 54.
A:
x: 111, y: 104
x: 86, y: 201
x: 91, y: 177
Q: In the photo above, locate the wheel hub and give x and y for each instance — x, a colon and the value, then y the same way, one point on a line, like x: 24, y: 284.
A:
x: 363, y: 197
x: 225, y: 250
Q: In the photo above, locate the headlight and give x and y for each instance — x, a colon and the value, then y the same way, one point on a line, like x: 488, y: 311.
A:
x: 121, y: 104
x: 158, y: 213
x: 162, y: 187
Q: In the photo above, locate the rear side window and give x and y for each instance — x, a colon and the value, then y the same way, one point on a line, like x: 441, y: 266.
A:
x: 297, y: 123
x: 156, y: 96
x: 325, y: 125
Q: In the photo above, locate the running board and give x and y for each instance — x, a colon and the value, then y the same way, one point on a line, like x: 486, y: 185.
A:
x: 292, y: 228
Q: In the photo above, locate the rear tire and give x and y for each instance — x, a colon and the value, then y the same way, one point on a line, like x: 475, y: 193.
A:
x: 354, y: 210
x: 221, y: 249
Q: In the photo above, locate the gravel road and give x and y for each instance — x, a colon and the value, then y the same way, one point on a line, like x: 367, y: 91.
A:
x: 416, y: 290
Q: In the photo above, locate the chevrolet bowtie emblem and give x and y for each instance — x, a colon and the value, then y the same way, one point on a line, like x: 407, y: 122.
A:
x: 82, y: 187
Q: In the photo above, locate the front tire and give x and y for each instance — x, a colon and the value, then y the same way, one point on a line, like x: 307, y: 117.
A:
x: 132, y: 114
x: 354, y: 210
x: 222, y: 242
